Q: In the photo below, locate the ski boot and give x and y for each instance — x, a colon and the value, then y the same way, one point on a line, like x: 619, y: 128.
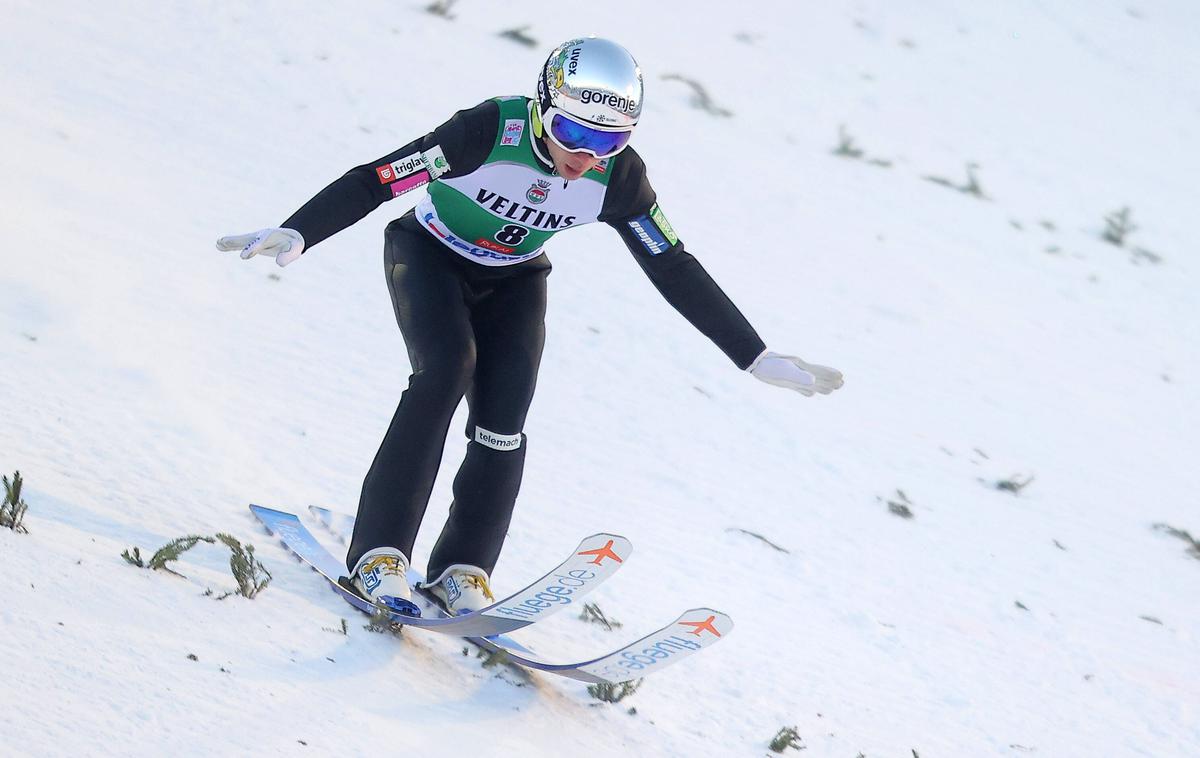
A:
x: 461, y: 589
x: 381, y: 576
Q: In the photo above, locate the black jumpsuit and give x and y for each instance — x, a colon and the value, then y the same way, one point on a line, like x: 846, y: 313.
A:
x: 477, y: 331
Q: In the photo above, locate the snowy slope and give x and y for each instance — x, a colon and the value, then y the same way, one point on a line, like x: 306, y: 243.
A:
x: 152, y: 387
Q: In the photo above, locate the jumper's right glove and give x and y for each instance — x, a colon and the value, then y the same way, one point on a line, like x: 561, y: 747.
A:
x: 793, y: 373
x: 284, y: 245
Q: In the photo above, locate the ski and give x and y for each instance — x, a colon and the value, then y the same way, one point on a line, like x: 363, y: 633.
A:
x: 694, y: 630
x: 594, y: 560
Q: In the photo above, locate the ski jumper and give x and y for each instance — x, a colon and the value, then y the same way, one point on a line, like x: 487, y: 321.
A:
x: 467, y: 275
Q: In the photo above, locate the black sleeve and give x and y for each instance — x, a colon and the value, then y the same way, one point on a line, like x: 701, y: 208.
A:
x: 630, y: 208
x: 465, y: 141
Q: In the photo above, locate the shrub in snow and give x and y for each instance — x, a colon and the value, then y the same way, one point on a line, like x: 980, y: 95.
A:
x: 1193, y: 545
x: 166, y: 554
x: 1139, y: 254
x: 758, y: 537
x: 700, y: 97
x: 614, y: 693
x: 787, y: 737
x: 12, y: 511
x: 381, y: 623
x: 972, y: 187
x: 519, y: 36
x: 252, y: 577
x: 344, y: 631
x: 441, y: 8
x: 900, y: 507
x: 1117, y: 226
x: 1013, y: 484
x: 846, y: 147
x: 493, y: 658
x: 591, y: 612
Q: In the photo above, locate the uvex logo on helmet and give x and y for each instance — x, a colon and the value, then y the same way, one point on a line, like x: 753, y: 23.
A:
x: 590, y: 96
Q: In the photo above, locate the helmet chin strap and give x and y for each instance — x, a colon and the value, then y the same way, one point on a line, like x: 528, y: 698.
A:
x: 535, y: 117
x: 535, y: 123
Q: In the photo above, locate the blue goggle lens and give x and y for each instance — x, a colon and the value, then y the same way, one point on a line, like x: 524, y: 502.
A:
x: 573, y: 135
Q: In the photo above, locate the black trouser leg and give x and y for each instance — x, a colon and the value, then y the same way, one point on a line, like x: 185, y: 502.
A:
x: 428, y: 295
x: 509, y: 328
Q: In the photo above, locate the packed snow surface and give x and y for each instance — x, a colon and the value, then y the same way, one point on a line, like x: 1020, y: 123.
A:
x: 990, y: 338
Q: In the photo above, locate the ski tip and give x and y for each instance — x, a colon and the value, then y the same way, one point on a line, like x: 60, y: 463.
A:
x: 705, y: 623
x: 603, y: 545
x: 262, y: 513
x: 606, y: 536
x: 262, y: 510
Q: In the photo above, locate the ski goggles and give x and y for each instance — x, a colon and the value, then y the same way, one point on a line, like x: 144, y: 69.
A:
x: 575, y: 137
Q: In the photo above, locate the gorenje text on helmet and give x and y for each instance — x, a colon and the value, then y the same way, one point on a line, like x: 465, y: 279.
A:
x: 589, y: 96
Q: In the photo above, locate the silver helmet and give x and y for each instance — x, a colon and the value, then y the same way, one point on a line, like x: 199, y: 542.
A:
x: 593, y: 80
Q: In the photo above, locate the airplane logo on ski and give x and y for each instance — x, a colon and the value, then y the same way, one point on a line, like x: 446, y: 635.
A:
x: 699, y: 627
x: 601, y: 553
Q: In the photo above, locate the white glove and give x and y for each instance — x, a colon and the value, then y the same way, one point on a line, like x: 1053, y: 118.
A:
x: 793, y: 373
x: 284, y: 245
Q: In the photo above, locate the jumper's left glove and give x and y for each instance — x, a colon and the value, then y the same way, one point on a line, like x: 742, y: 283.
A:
x: 284, y: 245
x: 793, y: 373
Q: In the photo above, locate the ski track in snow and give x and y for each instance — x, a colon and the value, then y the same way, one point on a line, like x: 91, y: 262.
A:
x: 152, y: 387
